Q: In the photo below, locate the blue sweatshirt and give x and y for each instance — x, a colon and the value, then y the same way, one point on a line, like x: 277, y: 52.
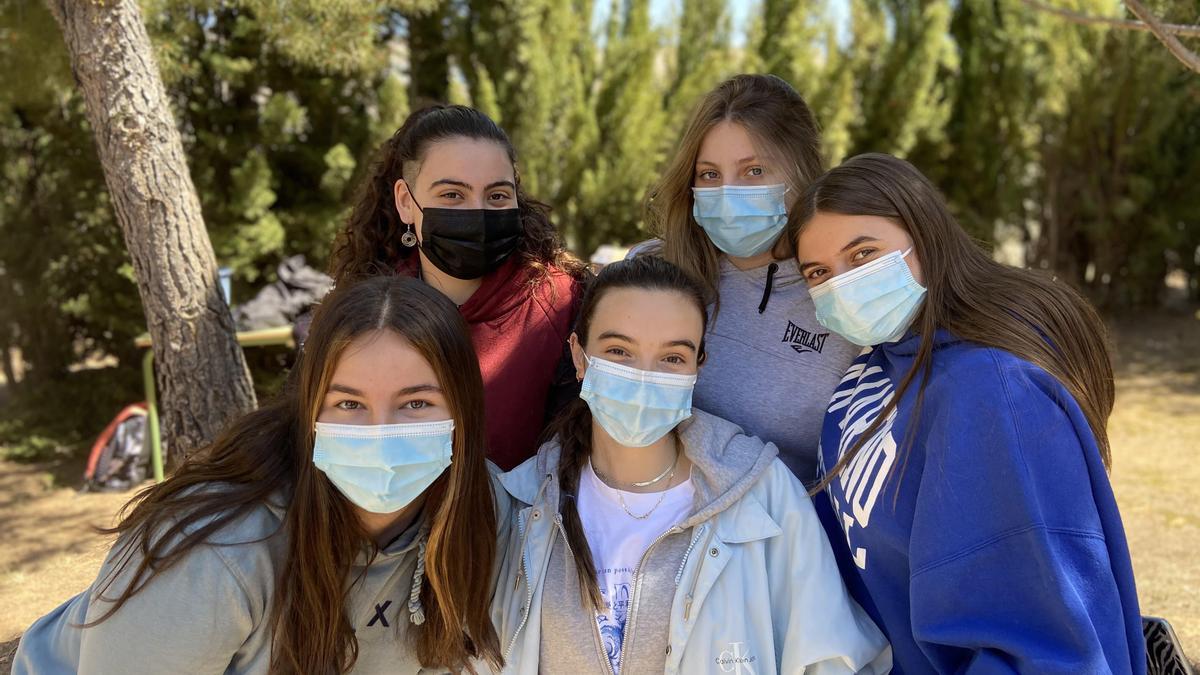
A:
x: 995, y: 546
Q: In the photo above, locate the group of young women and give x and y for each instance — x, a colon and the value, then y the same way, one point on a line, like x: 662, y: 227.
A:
x: 811, y: 427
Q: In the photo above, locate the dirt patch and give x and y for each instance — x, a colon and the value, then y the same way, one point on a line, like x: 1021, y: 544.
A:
x: 51, y: 553
x: 1155, y: 436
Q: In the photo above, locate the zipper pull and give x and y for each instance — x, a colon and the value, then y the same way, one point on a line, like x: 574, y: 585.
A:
x: 687, y: 607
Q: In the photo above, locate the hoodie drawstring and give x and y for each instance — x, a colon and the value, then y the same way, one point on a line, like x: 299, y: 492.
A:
x: 771, y: 270
x: 416, y: 611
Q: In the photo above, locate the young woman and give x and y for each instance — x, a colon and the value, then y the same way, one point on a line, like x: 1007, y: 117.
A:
x: 719, y: 211
x: 658, y: 538
x: 350, y: 523
x: 965, y: 451
x: 445, y: 204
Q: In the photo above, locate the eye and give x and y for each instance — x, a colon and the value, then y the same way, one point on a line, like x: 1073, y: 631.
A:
x: 675, y: 360
x: 755, y: 171
x: 499, y: 196
x: 348, y: 405
x: 451, y: 194
x: 862, y: 254
x: 815, y: 274
x: 616, y: 351
x: 708, y: 175
x: 417, y: 405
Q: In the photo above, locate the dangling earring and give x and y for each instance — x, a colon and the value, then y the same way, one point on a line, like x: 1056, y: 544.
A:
x: 408, y: 238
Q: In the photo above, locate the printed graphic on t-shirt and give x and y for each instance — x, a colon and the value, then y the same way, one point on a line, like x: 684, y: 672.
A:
x: 802, y: 340
x: 612, y: 623
x: 860, y: 398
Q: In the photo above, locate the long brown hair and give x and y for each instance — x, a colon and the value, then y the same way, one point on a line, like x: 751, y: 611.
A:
x: 573, y: 426
x: 782, y: 126
x: 1031, y: 315
x: 369, y: 243
x: 268, y: 453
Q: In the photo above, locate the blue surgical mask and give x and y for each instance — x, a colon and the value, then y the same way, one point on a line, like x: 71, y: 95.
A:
x: 384, y: 467
x: 872, y: 304
x: 636, y: 407
x: 741, y: 220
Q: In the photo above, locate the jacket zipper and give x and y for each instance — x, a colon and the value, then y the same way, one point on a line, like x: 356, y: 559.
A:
x: 687, y: 602
x: 524, y: 571
x: 528, y: 588
x: 637, y: 587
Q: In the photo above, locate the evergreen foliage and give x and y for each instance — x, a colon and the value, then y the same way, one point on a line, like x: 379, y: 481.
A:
x: 1077, y: 143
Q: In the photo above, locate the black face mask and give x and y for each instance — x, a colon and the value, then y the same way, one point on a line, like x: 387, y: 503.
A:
x: 469, y: 243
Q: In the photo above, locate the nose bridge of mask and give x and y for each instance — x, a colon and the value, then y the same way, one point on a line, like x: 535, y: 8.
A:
x: 848, y: 278
x: 635, y: 377
x: 732, y: 201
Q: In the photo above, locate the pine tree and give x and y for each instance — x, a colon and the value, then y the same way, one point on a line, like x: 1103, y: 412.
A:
x: 633, y: 138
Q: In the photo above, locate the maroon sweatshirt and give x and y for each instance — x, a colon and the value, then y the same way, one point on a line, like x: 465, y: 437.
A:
x: 520, y: 335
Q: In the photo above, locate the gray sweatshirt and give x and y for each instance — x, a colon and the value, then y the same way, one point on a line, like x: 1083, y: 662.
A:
x: 209, y: 612
x: 771, y: 367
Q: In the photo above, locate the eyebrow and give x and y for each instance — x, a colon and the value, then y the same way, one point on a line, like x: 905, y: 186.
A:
x: 860, y: 239
x: 407, y: 391
x: 501, y: 183
x: 682, y: 343
x: 462, y: 184
x: 672, y: 343
x: 450, y: 181
x: 743, y: 160
x: 616, y: 336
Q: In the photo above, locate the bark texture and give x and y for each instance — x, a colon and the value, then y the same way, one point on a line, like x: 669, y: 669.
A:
x: 202, y: 378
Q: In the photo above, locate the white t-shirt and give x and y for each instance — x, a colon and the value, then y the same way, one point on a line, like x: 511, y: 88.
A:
x: 618, y: 541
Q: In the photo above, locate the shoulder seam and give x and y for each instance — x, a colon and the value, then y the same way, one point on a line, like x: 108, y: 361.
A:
x: 1065, y: 531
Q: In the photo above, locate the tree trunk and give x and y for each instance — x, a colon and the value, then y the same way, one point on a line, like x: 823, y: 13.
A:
x: 203, y: 381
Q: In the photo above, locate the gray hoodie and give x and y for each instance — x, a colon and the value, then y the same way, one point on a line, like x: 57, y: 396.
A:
x: 771, y: 367
x: 747, y: 583
x: 209, y: 612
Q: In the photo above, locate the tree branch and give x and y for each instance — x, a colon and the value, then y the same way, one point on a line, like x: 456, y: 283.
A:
x: 1089, y: 20
x: 1186, y: 56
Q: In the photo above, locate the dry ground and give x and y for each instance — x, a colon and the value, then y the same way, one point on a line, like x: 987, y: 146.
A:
x: 49, y: 552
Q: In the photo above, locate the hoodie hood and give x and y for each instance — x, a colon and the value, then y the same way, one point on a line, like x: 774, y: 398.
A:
x: 726, y: 463
x: 910, y: 344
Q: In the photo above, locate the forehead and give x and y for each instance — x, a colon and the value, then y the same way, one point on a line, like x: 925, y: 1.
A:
x: 726, y: 141
x: 473, y: 160
x: 382, y: 361
x: 647, y: 316
x: 826, y: 233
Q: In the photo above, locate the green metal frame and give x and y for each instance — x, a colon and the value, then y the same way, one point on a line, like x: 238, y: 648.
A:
x: 156, y: 458
x: 255, y: 338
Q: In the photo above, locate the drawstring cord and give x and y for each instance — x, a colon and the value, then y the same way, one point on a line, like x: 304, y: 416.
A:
x: 771, y: 270
x: 416, y: 611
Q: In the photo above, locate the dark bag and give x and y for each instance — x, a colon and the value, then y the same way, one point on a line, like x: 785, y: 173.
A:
x: 1164, y: 654
x: 120, y: 458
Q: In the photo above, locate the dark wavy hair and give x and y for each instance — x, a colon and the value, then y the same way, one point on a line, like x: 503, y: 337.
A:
x: 369, y: 243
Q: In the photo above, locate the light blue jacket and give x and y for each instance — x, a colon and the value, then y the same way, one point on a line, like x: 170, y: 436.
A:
x: 747, y: 584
